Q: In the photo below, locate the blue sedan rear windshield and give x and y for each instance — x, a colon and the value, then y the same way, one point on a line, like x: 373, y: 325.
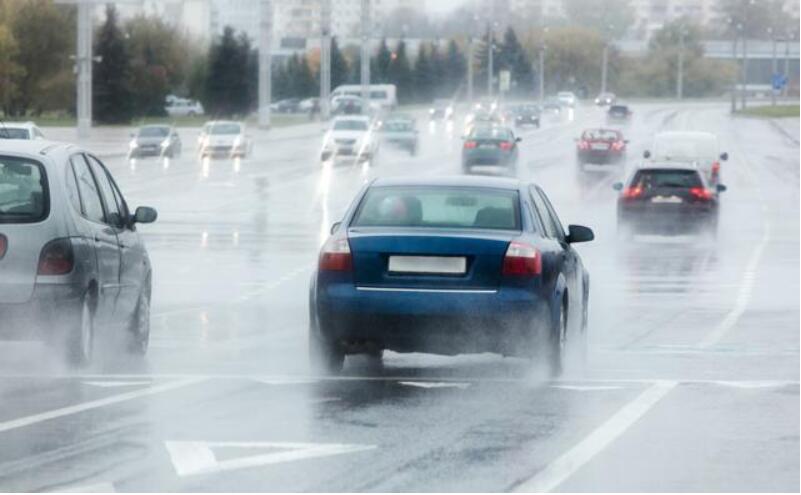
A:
x: 439, y: 207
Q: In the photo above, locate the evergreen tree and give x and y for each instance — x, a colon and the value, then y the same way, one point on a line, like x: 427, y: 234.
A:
x: 112, y: 102
x: 455, y: 68
x: 423, y: 80
x: 229, y: 78
x: 379, y: 72
x: 339, y: 66
x: 438, y: 72
x: 512, y: 57
x: 400, y: 73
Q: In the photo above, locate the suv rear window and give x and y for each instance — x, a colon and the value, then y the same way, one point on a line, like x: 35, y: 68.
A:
x: 23, y: 191
x: 13, y: 133
x: 439, y: 207
x: 655, y: 178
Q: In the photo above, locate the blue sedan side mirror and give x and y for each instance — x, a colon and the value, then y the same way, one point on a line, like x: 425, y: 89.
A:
x: 579, y: 233
x: 617, y: 186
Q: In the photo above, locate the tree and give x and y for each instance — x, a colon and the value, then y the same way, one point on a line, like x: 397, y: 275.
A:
x: 379, y: 71
x: 423, y: 82
x: 112, y: 102
x: 229, y: 78
x: 400, y: 73
x: 573, y: 59
x: 754, y: 18
x: 44, y: 36
x: 10, y: 71
x: 512, y: 57
x: 612, y: 18
x: 161, y: 60
x: 455, y: 65
x: 339, y: 65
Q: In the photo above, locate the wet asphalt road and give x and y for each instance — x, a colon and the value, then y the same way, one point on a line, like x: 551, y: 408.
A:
x: 692, y: 382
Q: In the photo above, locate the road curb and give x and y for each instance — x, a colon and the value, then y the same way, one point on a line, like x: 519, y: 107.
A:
x: 783, y: 131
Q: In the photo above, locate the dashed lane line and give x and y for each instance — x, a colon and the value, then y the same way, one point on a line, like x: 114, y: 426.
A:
x: 558, y: 471
x: 95, y: 404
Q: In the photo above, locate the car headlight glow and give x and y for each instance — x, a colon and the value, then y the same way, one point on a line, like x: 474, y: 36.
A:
x: 133, y: 144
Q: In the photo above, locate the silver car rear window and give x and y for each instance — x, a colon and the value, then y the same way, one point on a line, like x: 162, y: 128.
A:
x: 23, y: 191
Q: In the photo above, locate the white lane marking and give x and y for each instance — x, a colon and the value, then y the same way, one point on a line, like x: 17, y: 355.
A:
x: 570, y: 462
x: 193, y: 458
x: 459, y: 385
x: 286, y: 381
x: 94, y: 404
x: 102, y: 487
x: 117, y: 383
x: 752, y: 384
x: 744, y: 295
x: 587, y: 388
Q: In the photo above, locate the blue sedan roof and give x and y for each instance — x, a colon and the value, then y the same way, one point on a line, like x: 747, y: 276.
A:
x: 452, y: 181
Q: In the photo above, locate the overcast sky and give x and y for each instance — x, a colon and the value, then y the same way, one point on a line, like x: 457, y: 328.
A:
x: 442, y: 6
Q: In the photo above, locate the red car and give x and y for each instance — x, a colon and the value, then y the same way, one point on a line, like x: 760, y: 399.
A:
x: 600, y: 146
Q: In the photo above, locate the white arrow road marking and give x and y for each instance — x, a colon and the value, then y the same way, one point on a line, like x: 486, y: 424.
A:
x: 586, y: 388
x: 574, y: 459
x: 192, y: 458
x: 111, y: 384
x: 436, y: 384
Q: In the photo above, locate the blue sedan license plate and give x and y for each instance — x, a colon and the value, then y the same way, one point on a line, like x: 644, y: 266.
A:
x: 451, y: 265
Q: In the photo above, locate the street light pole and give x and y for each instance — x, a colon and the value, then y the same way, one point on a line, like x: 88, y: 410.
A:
x: 265, y: 62
x: 680, y: 69
x: 365, y: 61
x: 490, y: 61
x: 325, y: 59
x: 774, y: 68
x: 470, y: 69
x: 604, y: 62
x: 744, y: 75
x: 786, y: 65
x: 542, y: 73
x: 83, y: 61
x: 734, y: 60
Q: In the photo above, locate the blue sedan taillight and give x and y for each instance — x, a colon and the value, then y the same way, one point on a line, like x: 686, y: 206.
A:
x: 522, y: 260
x: 335, y: 255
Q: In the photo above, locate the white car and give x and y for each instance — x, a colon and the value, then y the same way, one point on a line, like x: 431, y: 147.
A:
x: 224, y: 138
x: 20, y: 130
x: 567, y: 98
x: 181, y: 107
x: 351, y: 136
x: 701, y: 148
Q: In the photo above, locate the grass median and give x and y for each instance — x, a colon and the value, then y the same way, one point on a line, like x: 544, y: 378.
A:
x: 771, y: 112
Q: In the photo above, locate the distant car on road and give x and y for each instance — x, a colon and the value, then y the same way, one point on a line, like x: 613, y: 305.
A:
x: 154, y: 140
x: 600, y: 146
x: 182, y: 107
x: 350, y: 136
x: 524, y: 115
x: 20, y: 130
x: 349, y: 105
x: 618, y: 113
x: 224, y: 138
x: 308, y: 105
x: 567, y: 98
x: 73, y: 265
x: 667, y: 197
x: 701, y: 148
x: 289, y: 105
x: 441, y: 109
x: 552, y: 106
x: 605, y: 99
x: 400, y: 131
x: 449, y: 266
x: 490, y: 145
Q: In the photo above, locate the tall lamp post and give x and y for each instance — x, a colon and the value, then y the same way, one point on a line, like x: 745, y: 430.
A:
x: 680, y: 65
x: 541, y: 69
x: 605, y: 58
x: 265, y: 62
x: 773, y: 67
x: 325, y: 59
x: 365, y: 57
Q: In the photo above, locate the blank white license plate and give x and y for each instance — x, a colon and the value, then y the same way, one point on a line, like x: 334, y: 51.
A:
x: 599, y: 146
x: 452, y: 265
x: 666, y: 199
x: 487, y: 146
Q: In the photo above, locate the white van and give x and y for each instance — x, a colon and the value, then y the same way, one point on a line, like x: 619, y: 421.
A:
x: 381, y: 95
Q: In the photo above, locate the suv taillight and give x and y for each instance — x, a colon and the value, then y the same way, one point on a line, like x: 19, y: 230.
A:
x: 56, y: 258
x: 3, y: 245
x: 701, y: 193
x: 522, y: 260
x: 335, y: 255
x: 632, y: 192
x: 506, y: 145
x: 470, y: 145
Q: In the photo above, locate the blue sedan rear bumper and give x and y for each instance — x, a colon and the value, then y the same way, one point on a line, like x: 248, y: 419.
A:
x: 505, y: 321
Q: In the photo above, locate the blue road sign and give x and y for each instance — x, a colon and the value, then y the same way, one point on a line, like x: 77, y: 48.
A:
x: 779, y: 81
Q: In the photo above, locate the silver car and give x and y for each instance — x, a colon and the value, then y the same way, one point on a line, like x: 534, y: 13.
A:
x: 72, y: 264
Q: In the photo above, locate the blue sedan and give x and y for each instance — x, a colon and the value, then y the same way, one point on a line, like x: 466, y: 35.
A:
x: 448, y: 266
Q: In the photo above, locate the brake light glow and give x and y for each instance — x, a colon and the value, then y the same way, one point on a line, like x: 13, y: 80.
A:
x: 632, y: 192
x: 470, y: 145
x: 584, y: 145
x: 506, y: 145
x: 335, y: 255
x: 522, y: 260
x: 617, y: 145
x: 56, y: 258
x: 701, y: 193
x: 3, y: 245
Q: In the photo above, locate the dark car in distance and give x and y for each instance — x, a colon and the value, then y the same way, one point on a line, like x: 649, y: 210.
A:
x: 490, y: 145
x: 600, y: 146
x: 618, y: 114
x: 155, y: 140
x: 667, y: 198
x: 524, y: 115
x: 449, y: 266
